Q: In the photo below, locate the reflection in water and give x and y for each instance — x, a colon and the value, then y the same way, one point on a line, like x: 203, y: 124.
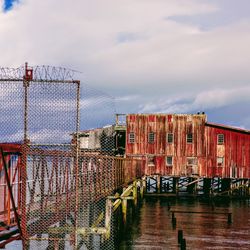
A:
x: 151, y: 226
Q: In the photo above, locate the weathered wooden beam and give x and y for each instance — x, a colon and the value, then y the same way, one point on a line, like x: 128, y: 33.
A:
x: 82, y: 230
x: 116, y: 204
x: 127, y: 191
x: 108, y: 215
x: 192, y: 182
x: 98, y: 220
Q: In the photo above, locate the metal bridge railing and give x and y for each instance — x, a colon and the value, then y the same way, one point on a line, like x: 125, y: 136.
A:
x: 51, y: 186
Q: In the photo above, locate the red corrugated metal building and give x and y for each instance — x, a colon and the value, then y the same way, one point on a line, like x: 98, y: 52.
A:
x: 181, y: 145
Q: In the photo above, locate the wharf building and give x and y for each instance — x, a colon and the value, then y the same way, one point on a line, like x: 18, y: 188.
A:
x: 188, y: 145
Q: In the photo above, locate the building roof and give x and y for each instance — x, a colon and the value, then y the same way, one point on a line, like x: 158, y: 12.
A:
x: 221, y: 126
x: 93, y: 129
x: 166, y: 114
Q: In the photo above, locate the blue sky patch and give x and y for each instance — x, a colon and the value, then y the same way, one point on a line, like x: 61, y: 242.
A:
x: 125, y: 37
x: 8, y: 4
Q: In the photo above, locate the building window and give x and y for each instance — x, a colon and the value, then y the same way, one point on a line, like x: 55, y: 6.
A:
x: 151, y: 160
x: 220, y: 139
x: 191, y: 160
x: 131, y: 137
x: 170, y: 137
x: 169, y: 160
x: 189, y: 138
x: 151, y: 137
x: 220, y: 161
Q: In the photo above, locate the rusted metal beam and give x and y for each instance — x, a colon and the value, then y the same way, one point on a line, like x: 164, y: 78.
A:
x: 9, y: 238
x: 10, y: 192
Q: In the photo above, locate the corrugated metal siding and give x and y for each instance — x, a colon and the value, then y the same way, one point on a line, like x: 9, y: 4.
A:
x: 236, y: 148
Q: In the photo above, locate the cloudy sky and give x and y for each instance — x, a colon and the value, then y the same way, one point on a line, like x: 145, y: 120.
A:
x: 168, y: 56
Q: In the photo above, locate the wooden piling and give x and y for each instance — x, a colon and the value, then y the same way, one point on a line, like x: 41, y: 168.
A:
x: 141, y: 189
x: 183, y: 244
x: 206, y: 186
x: 169, y: 207
x: 175, y: 185
x: 108, y: 214
x: 180, y: 236
x: 124, y: 210
x: 158, y: 188
x: 135, y: 192
x: 229, y: 218
x: 173, y: 221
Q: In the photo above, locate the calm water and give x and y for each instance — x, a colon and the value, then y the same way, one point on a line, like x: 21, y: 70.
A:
x: 151, y: 227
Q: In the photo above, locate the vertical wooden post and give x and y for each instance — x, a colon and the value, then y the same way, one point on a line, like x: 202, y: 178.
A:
x: 135, y: 192
x: 158, y: 178
x: 124, y: 209
x: 183, y: 244
x: 142, y: 188
x: 108, y: 215
x: 180, y: 236
x: 175, y: 185
x: 206, y: 186
x: 229, y: 218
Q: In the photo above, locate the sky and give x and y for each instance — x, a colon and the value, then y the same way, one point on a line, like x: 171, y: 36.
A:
x: 152, y: 56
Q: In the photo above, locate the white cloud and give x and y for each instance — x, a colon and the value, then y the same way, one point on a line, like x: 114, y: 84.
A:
x: 54, y: 105
x: 41, y: 136
x: 52, y: 32
x: 50, y: 135
x: 132, y: 48
x: 126, y: 98
x: 203, y: 101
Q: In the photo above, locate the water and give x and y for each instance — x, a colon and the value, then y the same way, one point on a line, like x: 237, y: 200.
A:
x: 151, y: 226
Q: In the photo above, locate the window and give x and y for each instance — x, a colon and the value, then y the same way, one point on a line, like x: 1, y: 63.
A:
x: 220, y: 139
x: 220, y: 161
x: 169, y: 160
x: 151, y: 160
x: 189, y: 138
x: 170, y: 138
x: 191, y: 160
x: 131, y: 137
x: 151, y: 137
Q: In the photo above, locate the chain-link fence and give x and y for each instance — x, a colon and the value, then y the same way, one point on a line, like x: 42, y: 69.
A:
x: 40, y: 109
x: 60, y: 175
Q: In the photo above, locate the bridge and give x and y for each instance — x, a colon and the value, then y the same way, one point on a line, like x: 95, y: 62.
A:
x: 56, y: 191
